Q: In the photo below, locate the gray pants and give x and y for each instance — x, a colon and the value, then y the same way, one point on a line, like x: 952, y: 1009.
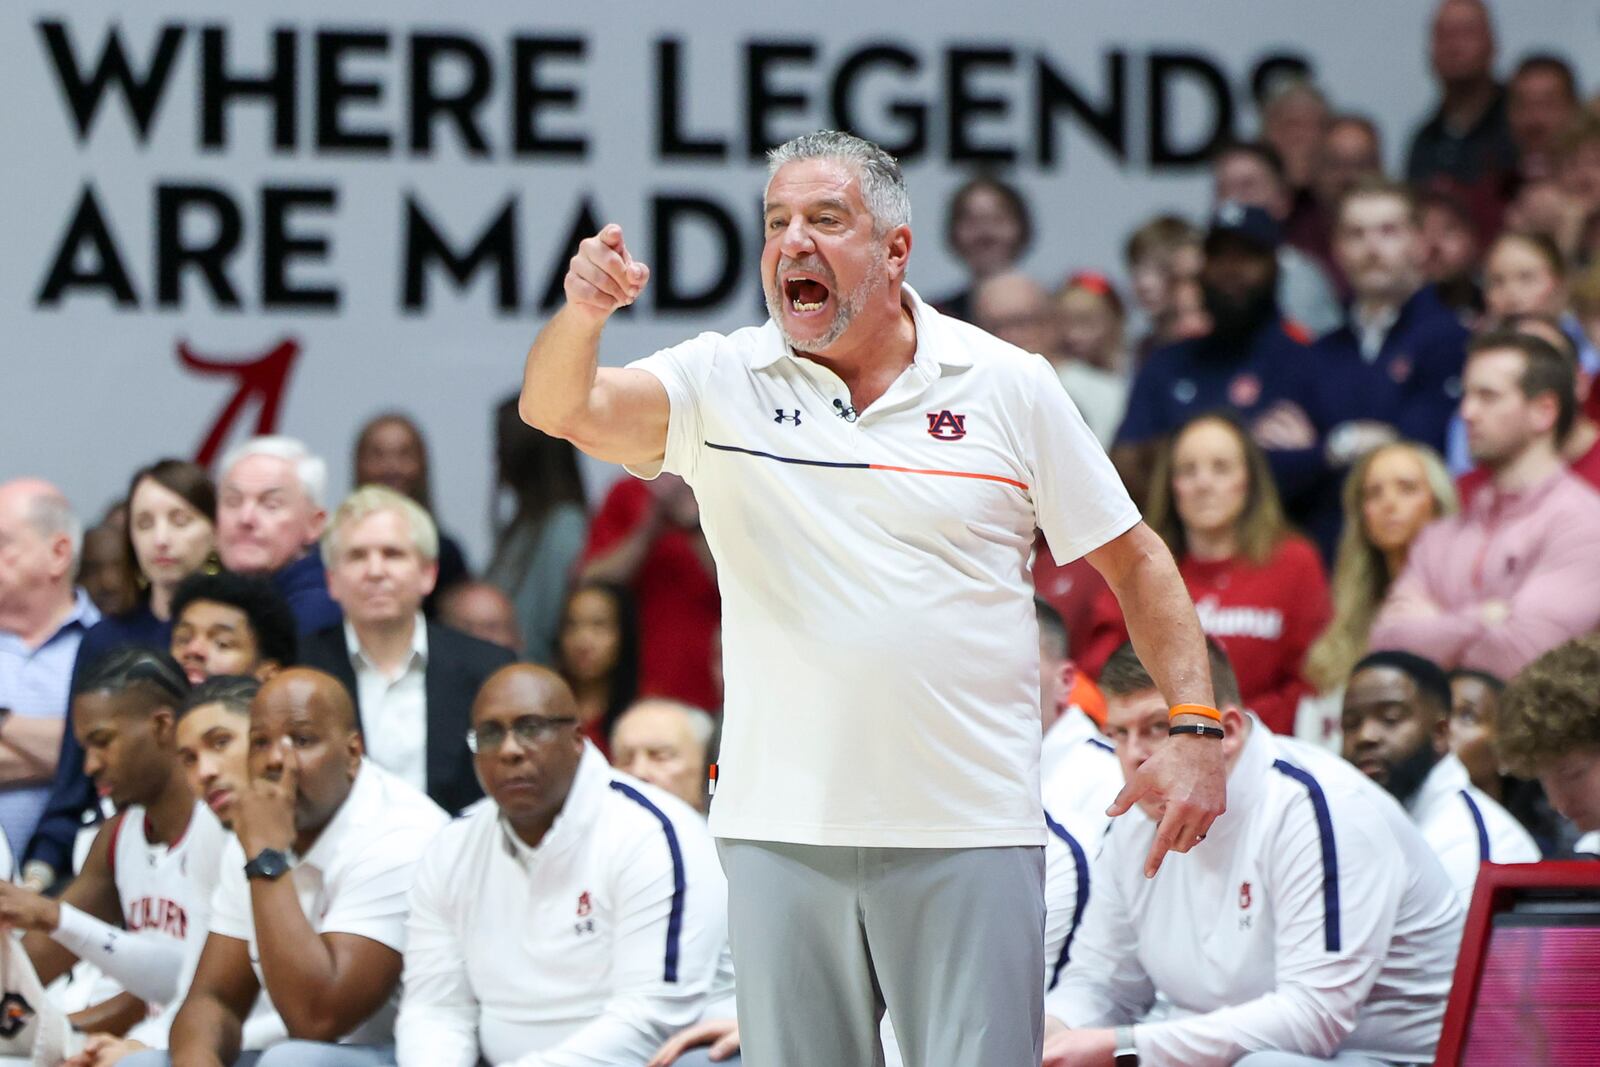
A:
x: 1294, y: 1059
x: 288, y: 1054
x: 950, y: 941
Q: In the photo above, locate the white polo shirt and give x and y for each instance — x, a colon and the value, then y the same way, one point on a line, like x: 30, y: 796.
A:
x: 354, y: 880
x: 1313, y: 919
x: 592, y: 948
x: 879, y: 644
x: 1466, y: 827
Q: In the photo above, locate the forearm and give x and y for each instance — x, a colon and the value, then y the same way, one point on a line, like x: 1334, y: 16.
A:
x: 559, y: 375
x: 28, y: 749
x: 50, y: 959
x: 629, y: 1030
x: 115, y: 1016
x: 1441, y: 638
x: 205, y: 1033
x: 1163, y: 626
x: 297, y: 967
x: 1293, y: 1020
x: 146, y: 964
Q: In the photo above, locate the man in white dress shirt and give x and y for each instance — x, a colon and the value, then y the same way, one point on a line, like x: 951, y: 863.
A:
x: 308, y: 921
x: 1335, y: 943
x: 1397, y: 732
x: 575, y: 918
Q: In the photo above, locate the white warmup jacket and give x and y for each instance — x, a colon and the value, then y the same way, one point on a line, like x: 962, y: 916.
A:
x: 1466, y: 827
x: 591, y: 949
x: 1313, y: 919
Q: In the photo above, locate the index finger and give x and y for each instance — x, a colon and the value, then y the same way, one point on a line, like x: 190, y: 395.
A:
x: 611, y: 235
x: 1128, y: 796
x: 1166, y: 836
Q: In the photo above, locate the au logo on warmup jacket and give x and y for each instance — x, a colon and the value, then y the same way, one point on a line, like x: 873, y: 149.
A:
x: 946, y: 426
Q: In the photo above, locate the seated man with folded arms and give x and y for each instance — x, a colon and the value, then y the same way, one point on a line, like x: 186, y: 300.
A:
x: 127, y: 912
x: 596, y: 909
x: 1314, y: 925
x: 1397, y: 732
x: 308, y: 921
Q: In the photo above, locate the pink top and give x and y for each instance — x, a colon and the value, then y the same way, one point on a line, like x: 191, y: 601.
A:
x: 1535, y: 553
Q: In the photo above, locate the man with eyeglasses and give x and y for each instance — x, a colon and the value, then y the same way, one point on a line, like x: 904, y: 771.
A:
x: 576, y: 917
x: 308, y: 920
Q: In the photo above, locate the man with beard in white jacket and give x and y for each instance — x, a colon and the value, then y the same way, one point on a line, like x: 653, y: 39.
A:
x: 1313, y: 926
x: 575, y: 918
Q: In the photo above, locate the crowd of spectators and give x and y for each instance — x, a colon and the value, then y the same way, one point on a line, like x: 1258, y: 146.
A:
x: 1325, y: 370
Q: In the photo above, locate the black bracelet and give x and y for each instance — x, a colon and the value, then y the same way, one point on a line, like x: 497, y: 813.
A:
x: 1198, y: 731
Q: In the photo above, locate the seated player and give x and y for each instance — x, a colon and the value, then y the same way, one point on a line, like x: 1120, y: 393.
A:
x: 597, y: 910
x: 1314, y: 924
x: 668, y: 744
x: 1397, y: 732
x: 127, y: 912
x: 308, y: 920
x: 213, y: 725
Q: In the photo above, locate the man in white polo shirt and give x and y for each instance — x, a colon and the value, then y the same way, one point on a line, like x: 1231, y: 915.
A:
x: 596, y: 913
x: 1336, y: 942
x: 871, y: 476
x: 308, y: 921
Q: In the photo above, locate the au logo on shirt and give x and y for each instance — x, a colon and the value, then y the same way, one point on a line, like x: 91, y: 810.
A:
x: 1246, y: 920
x: 946, y: 425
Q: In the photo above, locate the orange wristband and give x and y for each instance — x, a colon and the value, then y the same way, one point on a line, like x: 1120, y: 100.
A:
x: 1195, y: 709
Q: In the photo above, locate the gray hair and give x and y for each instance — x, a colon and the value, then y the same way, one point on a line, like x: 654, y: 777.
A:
x: 883, y: 186
x: 50, y: 515
x: 701, y: 725
x: 310, y: 470
x: 371, y: 499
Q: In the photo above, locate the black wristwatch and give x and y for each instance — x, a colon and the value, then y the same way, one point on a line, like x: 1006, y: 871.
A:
x: 270, y: 864
x: 1126, y: 1054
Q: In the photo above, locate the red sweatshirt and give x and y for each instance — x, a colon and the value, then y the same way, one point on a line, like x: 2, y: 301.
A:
x: 1264, y: 616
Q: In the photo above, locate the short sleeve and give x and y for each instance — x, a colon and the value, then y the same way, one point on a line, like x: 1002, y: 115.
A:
x: 230, y: 902
x: 1079, y: 500
x: 683, y: 370
x: 371, y: 897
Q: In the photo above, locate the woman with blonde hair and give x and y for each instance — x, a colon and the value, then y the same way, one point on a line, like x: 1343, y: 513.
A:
x: 1390, y: 494
x: 1259, y: 587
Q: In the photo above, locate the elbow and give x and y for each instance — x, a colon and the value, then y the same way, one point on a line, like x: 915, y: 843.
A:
x: 321, y: 1028
x: 540, y: 417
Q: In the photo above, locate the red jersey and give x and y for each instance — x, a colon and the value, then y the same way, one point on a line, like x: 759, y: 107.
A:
x: 679, y: 607
x: 1264, y: 616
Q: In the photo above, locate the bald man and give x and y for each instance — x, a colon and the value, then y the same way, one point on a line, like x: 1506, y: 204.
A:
x: 43, y: 618
x: 483, y: 610
x: 597, y: 909
x: 308, y: 922
x: 666, y: 743
x: 1015, y: 308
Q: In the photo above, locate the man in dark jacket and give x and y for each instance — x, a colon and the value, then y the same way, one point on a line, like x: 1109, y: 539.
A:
x: 413, y: 681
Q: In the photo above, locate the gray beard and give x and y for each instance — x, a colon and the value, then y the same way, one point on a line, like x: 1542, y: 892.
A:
x: 847, y: 307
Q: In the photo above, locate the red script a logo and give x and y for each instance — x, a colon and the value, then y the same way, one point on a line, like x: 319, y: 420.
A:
x: 265, y: 378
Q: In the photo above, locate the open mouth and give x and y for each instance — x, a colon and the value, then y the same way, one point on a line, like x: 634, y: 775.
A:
x: 805, y: 295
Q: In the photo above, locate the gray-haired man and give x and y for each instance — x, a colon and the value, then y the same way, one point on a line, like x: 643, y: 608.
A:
x: 870, y: 477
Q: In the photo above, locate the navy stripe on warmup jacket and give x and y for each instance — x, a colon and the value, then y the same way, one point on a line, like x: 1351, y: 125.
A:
x: 679, y: 883
x: 1330, y: 852
x: 1483, y: 827
x: 1080, y: 862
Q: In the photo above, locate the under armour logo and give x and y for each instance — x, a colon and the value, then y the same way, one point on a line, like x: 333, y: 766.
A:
x: 781, y: 416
